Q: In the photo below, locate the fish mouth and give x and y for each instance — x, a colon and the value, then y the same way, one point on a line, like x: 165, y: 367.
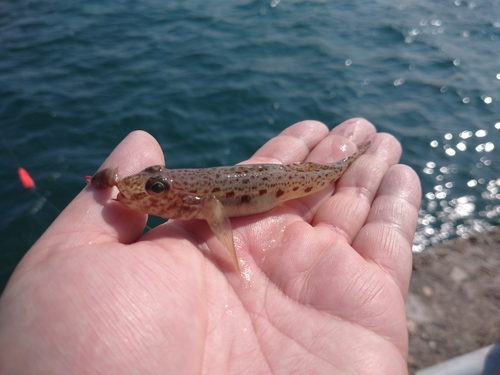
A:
x: 120, y: 197
x: 130, y: 201
x: 125, y: 200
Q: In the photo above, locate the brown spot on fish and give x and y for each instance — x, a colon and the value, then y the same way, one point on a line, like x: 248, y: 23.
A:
x: 295, y: 188
x: 215, y: 190
x: 245, y: 181
x: 246, y: 198
x: 308, y: 189
x: 279, y: 193
x: 230, y: 194
x: 262, y: 192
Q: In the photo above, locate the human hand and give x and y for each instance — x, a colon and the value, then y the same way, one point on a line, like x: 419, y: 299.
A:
x: 322, y: 289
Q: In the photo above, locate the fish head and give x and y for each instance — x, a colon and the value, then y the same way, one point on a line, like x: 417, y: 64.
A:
x: 147, y: 191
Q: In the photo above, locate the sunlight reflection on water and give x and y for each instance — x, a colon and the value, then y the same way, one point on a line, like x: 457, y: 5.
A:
x: 446, y: 213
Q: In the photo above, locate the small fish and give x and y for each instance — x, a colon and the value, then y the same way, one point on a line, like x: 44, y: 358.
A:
x: 216, y: 194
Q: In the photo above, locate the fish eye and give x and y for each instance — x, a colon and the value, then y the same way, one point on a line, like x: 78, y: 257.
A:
x: 157, y: 185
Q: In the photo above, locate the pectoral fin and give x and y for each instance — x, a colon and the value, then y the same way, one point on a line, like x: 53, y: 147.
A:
x: 215, y: 215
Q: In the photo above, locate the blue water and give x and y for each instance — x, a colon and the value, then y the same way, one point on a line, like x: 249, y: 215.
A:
x: 214, y: 80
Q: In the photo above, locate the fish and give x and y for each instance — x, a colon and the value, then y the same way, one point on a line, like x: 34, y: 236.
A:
x: 219, y: 193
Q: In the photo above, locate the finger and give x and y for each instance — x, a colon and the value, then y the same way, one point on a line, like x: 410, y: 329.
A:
x: 357, y: 130
x: 91, y: 217
x: 342, y: 141
x: 346, y: 211
x: 387, y: 237
x: 292, y: 144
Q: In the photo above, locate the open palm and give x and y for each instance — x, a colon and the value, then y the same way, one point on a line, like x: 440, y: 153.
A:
x: 322, y: 286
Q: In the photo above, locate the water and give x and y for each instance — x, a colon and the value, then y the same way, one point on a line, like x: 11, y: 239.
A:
x: 214, y: 80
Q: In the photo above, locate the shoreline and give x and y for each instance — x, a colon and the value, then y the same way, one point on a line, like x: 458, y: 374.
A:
x: 453, y: 304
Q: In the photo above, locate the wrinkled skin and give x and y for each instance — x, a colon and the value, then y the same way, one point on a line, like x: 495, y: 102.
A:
x: 322, y: 290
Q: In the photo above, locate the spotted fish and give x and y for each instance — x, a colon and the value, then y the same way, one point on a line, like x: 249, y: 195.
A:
x: 216, y: 194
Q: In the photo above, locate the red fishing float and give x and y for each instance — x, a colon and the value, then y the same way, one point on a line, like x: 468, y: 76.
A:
x: 25, y: 178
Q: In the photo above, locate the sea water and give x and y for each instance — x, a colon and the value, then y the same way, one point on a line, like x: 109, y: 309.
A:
x: 213, y: 80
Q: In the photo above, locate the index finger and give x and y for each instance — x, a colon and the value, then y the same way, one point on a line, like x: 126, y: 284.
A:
x: 91, y: 217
